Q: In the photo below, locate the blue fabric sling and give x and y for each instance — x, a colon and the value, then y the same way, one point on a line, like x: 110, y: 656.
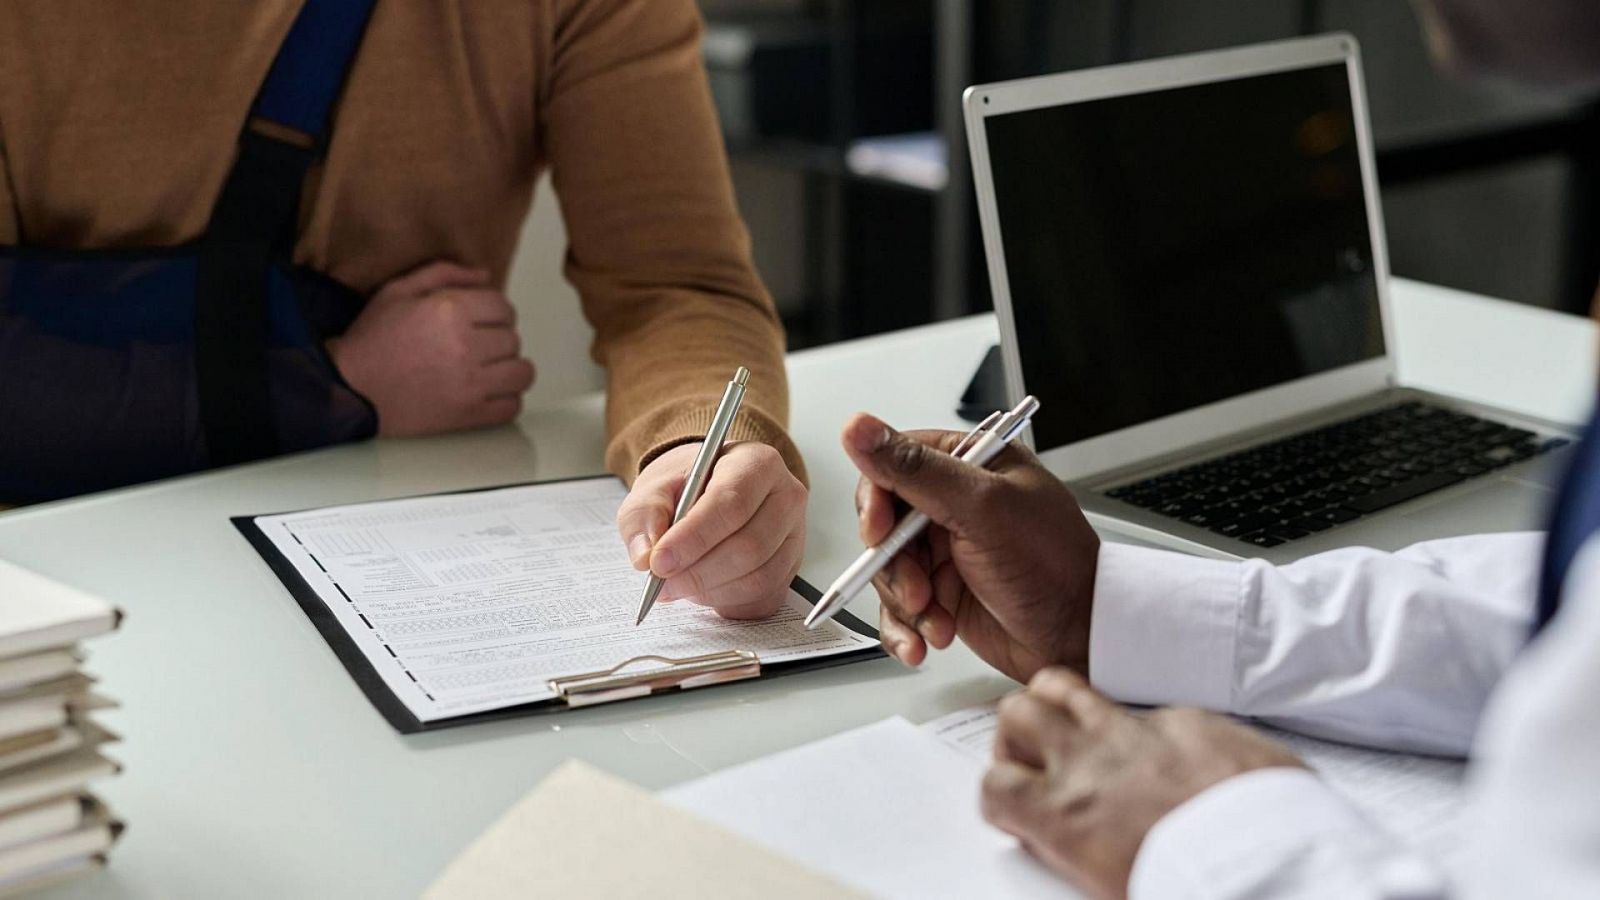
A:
x: 1576, y: 519
x: 123, y: 366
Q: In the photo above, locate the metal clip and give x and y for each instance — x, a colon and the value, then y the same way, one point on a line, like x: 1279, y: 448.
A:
x: 973, y: 435
x: 673, y: 674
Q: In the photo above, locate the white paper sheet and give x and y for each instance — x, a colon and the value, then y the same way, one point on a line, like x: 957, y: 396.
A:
x: 471, y: 602
x: 886, y: 809
x: 1416, y: 798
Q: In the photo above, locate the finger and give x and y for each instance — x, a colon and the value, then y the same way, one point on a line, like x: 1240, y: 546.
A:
x: 492, y: 345
x: 1065, y: 688
x: 1013, y: 798
x: 436, y: 276
x: 910, y: 589
x: 646, y: 513
x: 923, y: 474
x: 506, y: 378
x: 903, y: 586
x: 739, y: 483
x: 1032, y: 731
x: 899, y: 639
x: 745, y: 551
x: 494, y: 411
x: 948, y: 590
x: 486, y: 307
x: 760, y: 593
x: 875, y: 512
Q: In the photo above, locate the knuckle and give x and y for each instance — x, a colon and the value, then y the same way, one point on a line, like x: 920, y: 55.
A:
x: 441, y: 303
x: 1055, y: 680
x: 793, y: 500
x: 1178, y: 718
x: 1013, y: 708
x: 765, y: 454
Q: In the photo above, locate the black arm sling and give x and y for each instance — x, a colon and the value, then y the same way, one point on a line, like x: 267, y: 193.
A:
x: 123, y: 366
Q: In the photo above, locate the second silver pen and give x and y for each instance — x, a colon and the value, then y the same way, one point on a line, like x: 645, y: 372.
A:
x: 699, y: 472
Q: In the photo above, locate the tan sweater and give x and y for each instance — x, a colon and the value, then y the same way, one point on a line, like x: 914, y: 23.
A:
x: 119, y: 121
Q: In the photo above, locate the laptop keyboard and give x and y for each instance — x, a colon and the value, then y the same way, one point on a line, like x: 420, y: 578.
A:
x: 1323, y: 478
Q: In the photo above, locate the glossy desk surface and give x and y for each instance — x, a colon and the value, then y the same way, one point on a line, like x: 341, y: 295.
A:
x: 255, y: 767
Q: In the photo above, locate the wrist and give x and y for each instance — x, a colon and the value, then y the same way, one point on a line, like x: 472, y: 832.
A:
x: 1072, y: 649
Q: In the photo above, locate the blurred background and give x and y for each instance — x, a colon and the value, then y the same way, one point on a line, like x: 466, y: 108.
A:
x: 842, y: 120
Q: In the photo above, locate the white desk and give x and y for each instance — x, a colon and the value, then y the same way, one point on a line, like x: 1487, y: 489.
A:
x: 254, y: 766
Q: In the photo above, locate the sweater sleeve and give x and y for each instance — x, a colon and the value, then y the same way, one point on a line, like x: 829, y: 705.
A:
x: 657, y: 251
x: 9, y: 227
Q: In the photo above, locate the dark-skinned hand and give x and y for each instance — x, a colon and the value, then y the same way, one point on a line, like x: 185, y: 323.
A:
x: 1007, y: 564
x: 1080, y: 781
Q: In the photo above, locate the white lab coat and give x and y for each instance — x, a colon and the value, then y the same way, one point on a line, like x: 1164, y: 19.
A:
x: 1422, y: 650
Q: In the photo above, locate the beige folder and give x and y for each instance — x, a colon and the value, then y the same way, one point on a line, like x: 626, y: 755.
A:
x: 583, y: 833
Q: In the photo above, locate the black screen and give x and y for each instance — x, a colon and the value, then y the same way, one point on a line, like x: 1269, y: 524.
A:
x: 1171, y: 249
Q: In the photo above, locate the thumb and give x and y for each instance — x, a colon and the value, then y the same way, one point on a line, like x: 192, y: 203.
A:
x: 435, y: 276
x: 645, y: 515
x: 920, y: 470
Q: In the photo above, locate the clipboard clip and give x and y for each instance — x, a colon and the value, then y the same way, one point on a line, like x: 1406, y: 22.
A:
x: 671, y: 674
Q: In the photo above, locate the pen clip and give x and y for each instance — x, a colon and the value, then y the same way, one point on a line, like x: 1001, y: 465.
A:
x: 973, y: 435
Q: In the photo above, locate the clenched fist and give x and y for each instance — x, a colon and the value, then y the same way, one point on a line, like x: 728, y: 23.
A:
x: 436, y: 350
x: 1081, y: 781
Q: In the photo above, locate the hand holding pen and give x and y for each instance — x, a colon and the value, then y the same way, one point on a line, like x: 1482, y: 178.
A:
x: 1007, y: 562
x: 976, y: 449
x: 739, y: 545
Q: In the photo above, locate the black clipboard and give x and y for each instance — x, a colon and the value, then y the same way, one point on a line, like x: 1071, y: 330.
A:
x: 698, y: 671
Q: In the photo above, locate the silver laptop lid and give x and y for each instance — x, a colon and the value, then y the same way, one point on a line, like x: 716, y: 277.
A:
x: 1184, y: 248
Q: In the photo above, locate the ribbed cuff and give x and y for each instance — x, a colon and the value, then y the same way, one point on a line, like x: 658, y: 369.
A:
x: 687, y: 421
x: 1163, y: 627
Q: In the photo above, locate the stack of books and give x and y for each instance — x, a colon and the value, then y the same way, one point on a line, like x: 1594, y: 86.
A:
x: 51, y: 827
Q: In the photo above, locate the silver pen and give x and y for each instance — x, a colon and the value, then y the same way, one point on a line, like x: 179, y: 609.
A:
x: 716, y: 436
x: 978, y: 448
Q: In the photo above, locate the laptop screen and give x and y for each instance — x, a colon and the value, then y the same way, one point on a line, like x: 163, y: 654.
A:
x: 1170, y: 249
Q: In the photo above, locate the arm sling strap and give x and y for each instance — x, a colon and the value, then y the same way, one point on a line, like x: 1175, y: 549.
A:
x: 120, y: 366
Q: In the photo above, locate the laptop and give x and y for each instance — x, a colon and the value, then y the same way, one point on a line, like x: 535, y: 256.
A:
x: 1188, y: 265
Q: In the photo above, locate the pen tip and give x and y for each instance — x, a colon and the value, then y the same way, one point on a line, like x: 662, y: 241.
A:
x: 640, y: 620
x: 824, y: 609
x: 741, y: 377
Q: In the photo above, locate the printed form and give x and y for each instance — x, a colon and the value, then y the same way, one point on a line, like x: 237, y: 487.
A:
x: 470, y: 602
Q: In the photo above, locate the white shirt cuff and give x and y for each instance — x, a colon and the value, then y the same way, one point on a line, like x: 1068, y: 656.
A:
x: 1163, y: 628
x: 1274, y: 832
